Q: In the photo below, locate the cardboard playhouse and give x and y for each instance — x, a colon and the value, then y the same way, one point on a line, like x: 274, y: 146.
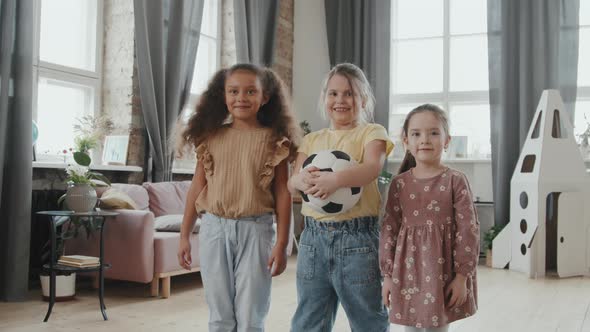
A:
x: 549, y: 227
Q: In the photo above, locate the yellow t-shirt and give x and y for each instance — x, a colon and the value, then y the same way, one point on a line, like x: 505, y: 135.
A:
x: 353, y: 142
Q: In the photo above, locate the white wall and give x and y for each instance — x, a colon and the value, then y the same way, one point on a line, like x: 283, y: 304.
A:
x: 310, y: 60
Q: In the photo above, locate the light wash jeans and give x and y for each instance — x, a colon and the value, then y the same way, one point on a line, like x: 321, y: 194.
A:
x: 234, y: 256
x: 338, y: 262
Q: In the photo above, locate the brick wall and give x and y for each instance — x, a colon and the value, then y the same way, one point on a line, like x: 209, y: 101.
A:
x: 283, y: 63
x: 228, y: 36
x: 120, y: 88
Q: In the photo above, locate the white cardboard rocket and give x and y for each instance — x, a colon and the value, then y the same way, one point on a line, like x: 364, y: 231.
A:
x: 549, y: 199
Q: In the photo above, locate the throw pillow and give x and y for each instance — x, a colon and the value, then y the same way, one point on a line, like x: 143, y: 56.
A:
x: 114, y: 199
x: 172, y: 223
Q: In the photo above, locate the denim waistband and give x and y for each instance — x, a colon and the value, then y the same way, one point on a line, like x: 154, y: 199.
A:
x: 352, y: 225
x: 260, y: 217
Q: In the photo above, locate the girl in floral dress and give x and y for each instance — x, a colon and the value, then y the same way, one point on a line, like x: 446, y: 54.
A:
x: 429, y: 241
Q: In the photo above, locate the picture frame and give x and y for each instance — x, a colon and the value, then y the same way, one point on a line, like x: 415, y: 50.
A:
x: 458, y: 147
x: 115, y: 149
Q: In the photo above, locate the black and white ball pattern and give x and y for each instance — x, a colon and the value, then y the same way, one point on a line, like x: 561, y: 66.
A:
x: 342, y: 199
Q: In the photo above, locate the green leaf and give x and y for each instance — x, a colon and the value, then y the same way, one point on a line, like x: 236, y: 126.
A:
x: 82, y: 158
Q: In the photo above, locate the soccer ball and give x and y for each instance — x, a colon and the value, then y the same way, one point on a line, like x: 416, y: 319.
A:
x: 342, y: 199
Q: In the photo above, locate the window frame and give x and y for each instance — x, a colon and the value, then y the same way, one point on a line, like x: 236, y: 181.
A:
x: 91, y: 79
x: 446, y: 98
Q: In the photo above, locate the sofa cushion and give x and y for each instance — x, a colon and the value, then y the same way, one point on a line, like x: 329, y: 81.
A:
x: 167, y: 197
x: 115, y: 199
x: 136, y: 192
x: 166, y: 250
x: 172, y: 223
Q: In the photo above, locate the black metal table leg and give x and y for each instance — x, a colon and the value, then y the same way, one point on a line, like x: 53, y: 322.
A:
x: 100, y: 272
x: 51, y: 272
x: 51, y: 295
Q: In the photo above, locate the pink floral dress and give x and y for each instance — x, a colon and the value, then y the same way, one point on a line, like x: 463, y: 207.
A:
x: 430, y: 233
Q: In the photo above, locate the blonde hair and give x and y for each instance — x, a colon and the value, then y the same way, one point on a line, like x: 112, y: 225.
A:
x: 363, y: 94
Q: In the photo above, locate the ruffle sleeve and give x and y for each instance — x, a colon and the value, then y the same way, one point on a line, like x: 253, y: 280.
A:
x: 278, y: 153
x: 205, y: 157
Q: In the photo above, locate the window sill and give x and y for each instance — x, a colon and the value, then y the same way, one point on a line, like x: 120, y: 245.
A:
x: 454, y: 161
x: 118, y: 168
x: 183, y: 171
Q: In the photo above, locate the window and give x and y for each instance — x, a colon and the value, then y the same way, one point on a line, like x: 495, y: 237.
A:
x: 206, y: 64
x: 67, y: 62
x: 208, y: 51
x: 440, y: 56
x: 582, y: 111
x: 207, y: 61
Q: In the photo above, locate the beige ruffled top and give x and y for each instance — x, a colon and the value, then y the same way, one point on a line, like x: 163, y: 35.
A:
x: 239, y: 168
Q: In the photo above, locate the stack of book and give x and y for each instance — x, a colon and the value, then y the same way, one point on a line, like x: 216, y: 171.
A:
x: 79, y: 261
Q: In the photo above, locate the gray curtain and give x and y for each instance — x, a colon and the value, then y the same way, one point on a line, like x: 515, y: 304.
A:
x: 166, y: 36
x: 16, y: 150
x: 533, y: 45
x: 359, y: 32
x: 255, y: 26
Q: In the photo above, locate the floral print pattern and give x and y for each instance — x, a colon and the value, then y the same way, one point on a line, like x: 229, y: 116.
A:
x: 430, y: 233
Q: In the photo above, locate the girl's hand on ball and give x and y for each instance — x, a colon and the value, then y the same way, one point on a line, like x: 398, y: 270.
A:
x: 302, y: 181
x: 307, y: 175
x: 323, y: 184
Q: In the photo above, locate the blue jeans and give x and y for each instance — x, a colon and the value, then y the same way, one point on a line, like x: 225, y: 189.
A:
x: 233, y: 259
x: 338, y: 262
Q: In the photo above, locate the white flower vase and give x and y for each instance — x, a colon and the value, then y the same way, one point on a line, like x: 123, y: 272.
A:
x: 81, y: 197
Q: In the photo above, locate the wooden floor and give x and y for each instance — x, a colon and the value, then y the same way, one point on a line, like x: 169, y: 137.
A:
x: 509, y: 301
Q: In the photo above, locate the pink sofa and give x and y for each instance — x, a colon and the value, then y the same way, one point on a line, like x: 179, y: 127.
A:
x: 136, y: 251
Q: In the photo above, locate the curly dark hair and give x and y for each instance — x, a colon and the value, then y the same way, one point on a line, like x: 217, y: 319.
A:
x: 211, y: 112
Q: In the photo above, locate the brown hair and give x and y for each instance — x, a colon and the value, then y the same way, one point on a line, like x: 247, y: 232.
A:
x: 363, y: 94
x: 409, y: 161
x: 211, y: 112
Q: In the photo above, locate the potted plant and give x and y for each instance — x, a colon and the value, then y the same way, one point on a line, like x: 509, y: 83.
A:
x: 81, y: 195
x: 91, y: 131
x: 488, y: 239
x: 584, y: 142
x: 305, y: 127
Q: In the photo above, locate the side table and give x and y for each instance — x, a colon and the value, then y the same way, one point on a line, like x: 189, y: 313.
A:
x: 55, y: 220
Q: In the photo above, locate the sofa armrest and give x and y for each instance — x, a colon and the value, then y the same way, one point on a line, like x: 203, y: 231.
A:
x: 128, y: 246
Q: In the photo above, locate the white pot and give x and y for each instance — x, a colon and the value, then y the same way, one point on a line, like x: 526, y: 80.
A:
x: 81, y: 197
x: 65, y: 286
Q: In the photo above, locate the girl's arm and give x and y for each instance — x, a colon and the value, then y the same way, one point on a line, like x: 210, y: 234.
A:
x: 283, y: 212
x: 190, y: 216
x: 299, y: 178
x: 466, y: 245
x: 390, y: 227
x: 325, y: 183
